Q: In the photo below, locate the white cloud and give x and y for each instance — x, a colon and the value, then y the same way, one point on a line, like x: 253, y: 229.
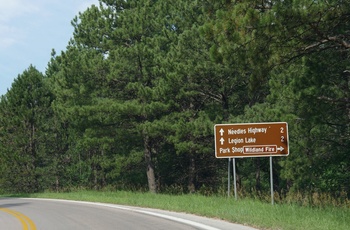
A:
x: 14, y: 8
x: 12, y: 15
x: 8, y: 36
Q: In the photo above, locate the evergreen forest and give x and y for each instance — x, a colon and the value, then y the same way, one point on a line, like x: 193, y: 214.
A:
x: 132, y: 101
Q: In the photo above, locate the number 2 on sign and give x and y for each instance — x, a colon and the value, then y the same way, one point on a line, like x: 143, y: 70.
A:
x: 282, y: 130
x: 282, y: 138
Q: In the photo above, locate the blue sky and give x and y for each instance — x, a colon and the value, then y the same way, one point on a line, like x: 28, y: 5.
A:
x: 30, y: 29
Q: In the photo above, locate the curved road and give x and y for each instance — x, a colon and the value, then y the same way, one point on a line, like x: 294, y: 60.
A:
x: 35, y: 214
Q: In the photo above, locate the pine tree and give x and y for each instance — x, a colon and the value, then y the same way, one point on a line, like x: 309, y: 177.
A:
x: 25, y: 109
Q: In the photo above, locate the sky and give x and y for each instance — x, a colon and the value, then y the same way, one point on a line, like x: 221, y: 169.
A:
x: 30, y: 29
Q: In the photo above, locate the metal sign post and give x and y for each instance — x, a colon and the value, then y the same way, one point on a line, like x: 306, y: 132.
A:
x: 229, y: 179
x: 271, y: 181
x: 234, y: 177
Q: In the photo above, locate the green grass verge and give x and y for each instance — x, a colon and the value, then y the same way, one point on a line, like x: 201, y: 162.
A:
x: 250, y: 212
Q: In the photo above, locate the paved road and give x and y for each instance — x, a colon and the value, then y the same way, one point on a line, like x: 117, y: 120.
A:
x: 47, y: 214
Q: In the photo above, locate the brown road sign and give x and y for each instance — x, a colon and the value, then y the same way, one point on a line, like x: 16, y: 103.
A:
x: 251, y: 140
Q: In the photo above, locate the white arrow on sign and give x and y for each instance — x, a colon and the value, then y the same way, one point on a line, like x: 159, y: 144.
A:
x: 280, y: 148
x: 222, y: 132
x: 222, y: 140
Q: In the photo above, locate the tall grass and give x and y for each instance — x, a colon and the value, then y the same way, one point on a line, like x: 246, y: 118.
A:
x: 313, y: 199
x: 252, y: 212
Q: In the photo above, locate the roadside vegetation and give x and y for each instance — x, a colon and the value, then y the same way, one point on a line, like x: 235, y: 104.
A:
x: 131, y: 105
x: 251, y: 212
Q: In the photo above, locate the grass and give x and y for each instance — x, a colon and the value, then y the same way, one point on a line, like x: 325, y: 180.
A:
x: 250, y: 212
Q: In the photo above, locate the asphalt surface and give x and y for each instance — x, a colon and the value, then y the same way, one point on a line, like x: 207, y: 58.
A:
x: 49, y: 214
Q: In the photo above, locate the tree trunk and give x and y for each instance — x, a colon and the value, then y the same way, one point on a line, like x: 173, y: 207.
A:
x: 152, y: 186
x: 57, y: 184
x: 257, y: 175
x: 238, y: 177
x: 191, y: 175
